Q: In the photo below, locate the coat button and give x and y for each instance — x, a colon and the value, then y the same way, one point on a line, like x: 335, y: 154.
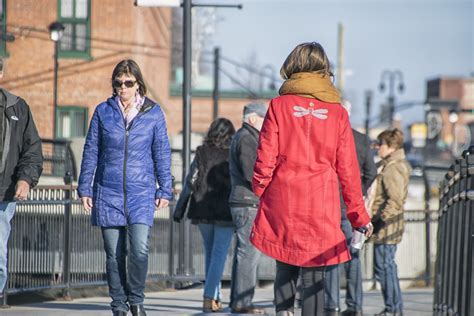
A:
x: 311, y: 104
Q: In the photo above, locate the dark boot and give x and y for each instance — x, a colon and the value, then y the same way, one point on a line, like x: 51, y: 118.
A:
x: 120, y: 313
x: 138, y: 310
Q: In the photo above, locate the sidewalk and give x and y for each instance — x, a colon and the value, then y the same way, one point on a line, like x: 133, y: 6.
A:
x: 189, y: 302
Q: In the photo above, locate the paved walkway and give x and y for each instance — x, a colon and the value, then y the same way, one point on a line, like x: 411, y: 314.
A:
x: 189, y: 302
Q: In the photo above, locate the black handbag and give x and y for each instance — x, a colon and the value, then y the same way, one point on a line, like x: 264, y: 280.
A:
x: 182, y: 205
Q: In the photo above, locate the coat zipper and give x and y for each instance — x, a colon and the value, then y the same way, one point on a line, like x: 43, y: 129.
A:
x: 127, y: 133
x: 125, y: 173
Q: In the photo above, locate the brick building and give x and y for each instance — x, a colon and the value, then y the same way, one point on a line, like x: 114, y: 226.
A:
x: 98, y: 34
x: 451, y: 114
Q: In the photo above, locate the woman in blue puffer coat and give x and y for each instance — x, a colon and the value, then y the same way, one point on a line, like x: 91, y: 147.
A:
x: 125, y: 176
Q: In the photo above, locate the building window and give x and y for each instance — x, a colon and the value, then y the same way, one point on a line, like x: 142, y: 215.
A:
x: 3, y: 28
x: 75, y: 16
x: 71, y: 121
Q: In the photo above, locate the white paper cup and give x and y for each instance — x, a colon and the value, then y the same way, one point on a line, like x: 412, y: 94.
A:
x: 357, y: 240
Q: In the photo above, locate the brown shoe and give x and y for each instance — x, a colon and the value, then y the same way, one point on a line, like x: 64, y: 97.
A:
x: 248, y: 310
x: 211, y: 306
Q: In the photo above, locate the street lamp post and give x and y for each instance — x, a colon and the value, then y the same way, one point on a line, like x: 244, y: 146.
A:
x: 56, y: 30
x: 391, y: 76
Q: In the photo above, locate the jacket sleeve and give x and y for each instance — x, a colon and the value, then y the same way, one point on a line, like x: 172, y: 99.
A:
x: 368, y: 167
x: 267, y: 153
x: 185, y: 195
x: 30, y: 164
x: 394, y: 184
x: 247, y: 154
x: 161, y: 153
x: 347, y: 169
x: 90, y: 157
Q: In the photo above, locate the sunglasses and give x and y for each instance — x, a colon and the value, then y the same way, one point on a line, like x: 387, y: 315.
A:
x: 128, y: 83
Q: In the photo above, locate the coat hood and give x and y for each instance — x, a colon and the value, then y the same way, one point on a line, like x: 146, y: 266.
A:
x: 311, y: 84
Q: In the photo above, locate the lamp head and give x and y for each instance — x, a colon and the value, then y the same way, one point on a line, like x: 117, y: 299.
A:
x: 56, y: 30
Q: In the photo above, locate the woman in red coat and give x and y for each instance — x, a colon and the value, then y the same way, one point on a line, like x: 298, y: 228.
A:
x: 306, y: 150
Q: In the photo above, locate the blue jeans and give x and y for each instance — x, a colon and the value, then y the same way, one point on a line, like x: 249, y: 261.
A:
x: 353, y: 276
x: 7, y: 210
x: 246, y: 258
x: 386, y: 274
x: 126, y: 280
x: 216, y: 244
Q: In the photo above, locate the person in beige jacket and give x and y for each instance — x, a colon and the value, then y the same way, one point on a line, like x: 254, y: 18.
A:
x: 387, y: 209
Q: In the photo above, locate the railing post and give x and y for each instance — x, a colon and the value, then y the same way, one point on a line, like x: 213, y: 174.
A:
x: 171, y: 251
x: 427, y: 229
x: 67, y: 236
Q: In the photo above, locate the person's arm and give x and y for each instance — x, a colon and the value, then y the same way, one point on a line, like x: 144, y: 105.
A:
x: 161, y: 153
x: 394, y: 185
x: 347, y: 168
x: 30, y: 164
x: 267, y: 153
x: 90, y: 158
x: 368, y: 167
x: 247, y: 154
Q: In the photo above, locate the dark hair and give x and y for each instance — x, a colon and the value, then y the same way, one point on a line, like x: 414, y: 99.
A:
x: 129, y: 67
x: 393, y: 138
x: 220, y: 133
x: 306, y: 57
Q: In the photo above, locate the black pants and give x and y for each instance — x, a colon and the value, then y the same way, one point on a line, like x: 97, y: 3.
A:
x: 313, y: 289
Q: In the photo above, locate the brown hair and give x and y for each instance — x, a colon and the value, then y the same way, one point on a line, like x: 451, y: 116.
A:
x: 129, y: 67
x: 393, y: 138
x: 306, y: 57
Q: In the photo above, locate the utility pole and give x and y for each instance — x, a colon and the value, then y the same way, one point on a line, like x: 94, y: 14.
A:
x: 340, y: 58
x: 368, y: 103
x: 215, y: 92
x: 184, y: 258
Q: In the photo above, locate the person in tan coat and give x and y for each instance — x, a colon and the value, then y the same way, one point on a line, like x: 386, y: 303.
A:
x: 390, y: 195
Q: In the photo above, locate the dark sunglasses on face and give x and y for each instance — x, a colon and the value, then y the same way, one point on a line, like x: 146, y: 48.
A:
x: 128, y: 83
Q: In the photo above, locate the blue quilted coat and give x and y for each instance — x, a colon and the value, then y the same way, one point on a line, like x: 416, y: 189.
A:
x: 125, y: 169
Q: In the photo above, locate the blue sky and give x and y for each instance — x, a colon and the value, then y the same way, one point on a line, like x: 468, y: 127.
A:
x: 422, y: 38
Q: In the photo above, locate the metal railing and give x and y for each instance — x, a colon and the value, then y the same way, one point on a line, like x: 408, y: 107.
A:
x: 454, y: 279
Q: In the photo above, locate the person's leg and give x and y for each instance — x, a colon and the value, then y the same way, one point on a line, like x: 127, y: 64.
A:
x: 115, y: 245
x: 7, y: 210
x: 386, y: 274
x: 313, y: 291
x: 137, y: 262
x: 331, y: 288
x: 354, y: 282
x: 220, y: 245
x: 207, y: 234
x: 393, y: 284
x: 285, y: 287
x: 246, y: 258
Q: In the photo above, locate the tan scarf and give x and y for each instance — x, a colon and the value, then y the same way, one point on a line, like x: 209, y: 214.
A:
x: 312, y: 85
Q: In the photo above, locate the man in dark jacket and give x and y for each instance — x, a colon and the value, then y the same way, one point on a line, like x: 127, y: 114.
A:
x: 21, y: 163
x: 368, y: 172
x: 244, y: 204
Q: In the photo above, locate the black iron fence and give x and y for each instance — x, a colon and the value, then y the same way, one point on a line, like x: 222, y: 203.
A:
x: 454, y: 280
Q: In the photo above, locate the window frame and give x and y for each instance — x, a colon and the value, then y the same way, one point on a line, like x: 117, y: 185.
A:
x: 70, y: 109
x: 3, y: 22
x: 87, y: 21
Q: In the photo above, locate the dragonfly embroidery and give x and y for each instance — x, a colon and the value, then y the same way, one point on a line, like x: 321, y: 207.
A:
x: 318, y: 113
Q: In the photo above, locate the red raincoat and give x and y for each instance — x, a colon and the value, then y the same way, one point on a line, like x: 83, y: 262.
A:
x: 305, y: 145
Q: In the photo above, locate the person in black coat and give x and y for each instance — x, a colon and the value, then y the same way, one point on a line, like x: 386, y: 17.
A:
x: 207, y: 190
x: 21, y: 163
x: 368, y: 172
